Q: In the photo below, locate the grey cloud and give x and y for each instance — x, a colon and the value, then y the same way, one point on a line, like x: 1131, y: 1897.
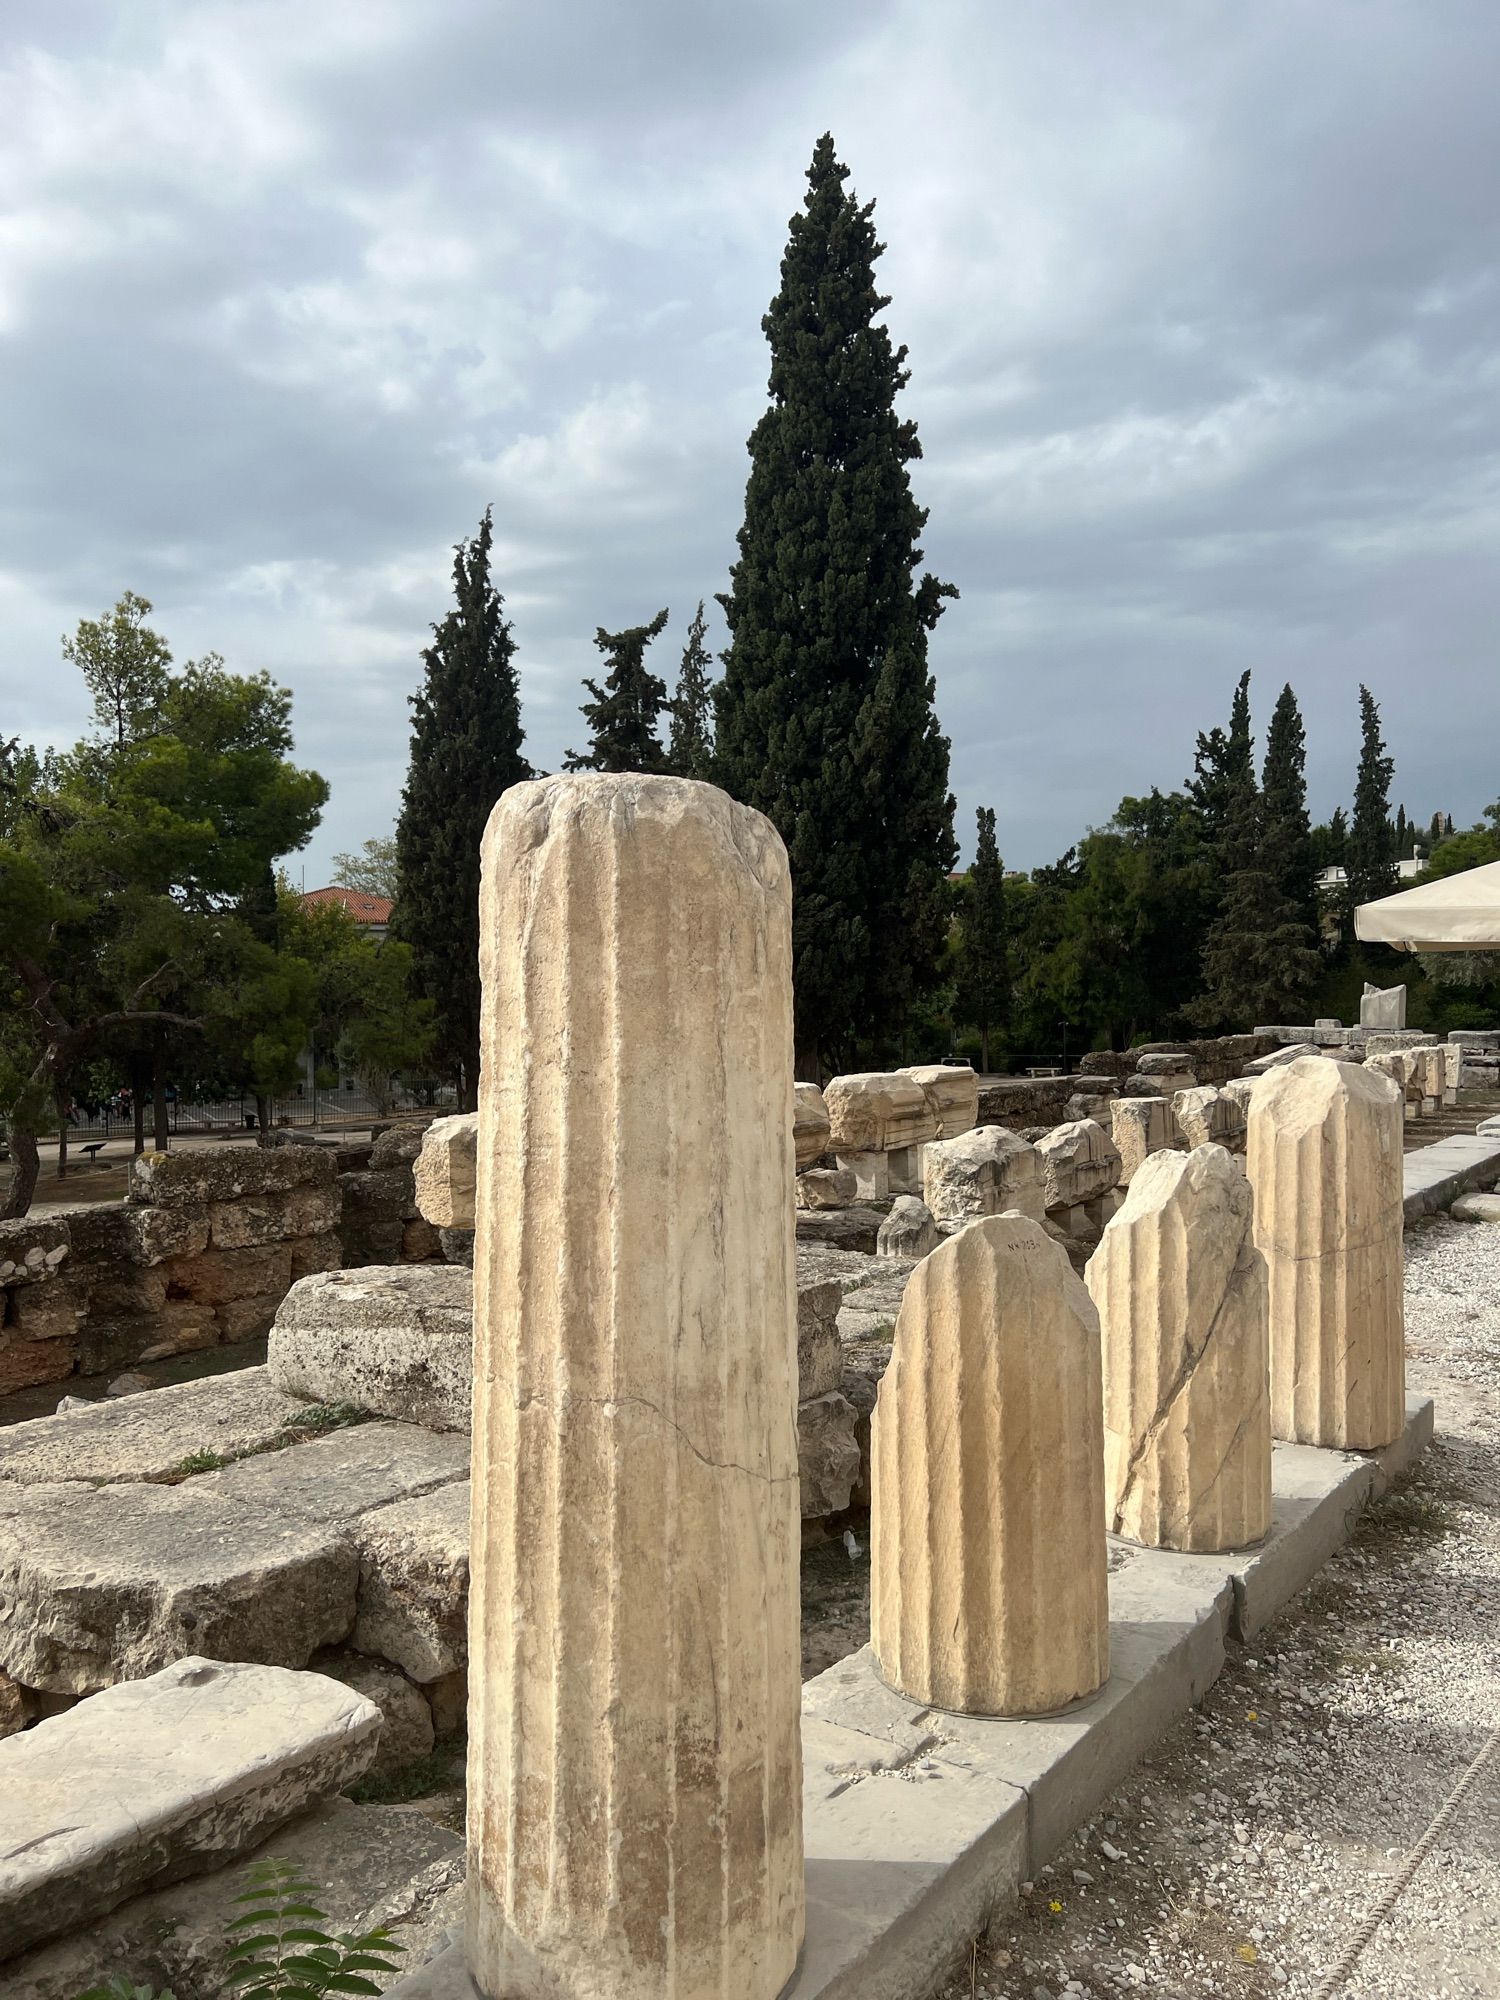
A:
x: 1202, y: 313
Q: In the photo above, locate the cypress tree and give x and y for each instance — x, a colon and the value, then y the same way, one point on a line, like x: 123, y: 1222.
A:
x: 465, y: 751
x: 691, y: 750
x: 625, y: 714
x: 825, y: 712
x: 1221, y: 763
x: 1259, y: 959
x: 1288, y: 832
x: 1372, y: 843
x: 984, y: 950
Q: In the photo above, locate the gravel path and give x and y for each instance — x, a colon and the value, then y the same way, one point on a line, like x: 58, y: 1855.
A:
x: 1243, y: 1855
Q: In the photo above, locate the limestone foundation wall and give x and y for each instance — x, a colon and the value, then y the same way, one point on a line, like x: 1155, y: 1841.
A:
x: 1181, y: 1293
x: 635, y: 1765
x: 1324, y: 1160
x: 988, y: 1566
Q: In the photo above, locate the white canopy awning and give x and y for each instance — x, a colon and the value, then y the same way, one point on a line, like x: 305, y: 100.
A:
x: 1457, y: 913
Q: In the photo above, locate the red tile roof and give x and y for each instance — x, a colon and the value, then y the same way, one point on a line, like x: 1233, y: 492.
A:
x: 364, y: 909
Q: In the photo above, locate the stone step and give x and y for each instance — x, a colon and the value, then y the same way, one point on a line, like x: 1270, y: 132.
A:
x: 152, y: 1436
x: 106, y: 1584
x: 161, y: 1778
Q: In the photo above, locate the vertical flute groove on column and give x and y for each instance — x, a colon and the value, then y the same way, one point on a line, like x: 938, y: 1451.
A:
x: 635, y: 1766
x: 988, y: 1585
x: 1325, y: 1162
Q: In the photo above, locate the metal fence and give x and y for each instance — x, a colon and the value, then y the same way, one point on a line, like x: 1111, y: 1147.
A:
x: 301, y: 1110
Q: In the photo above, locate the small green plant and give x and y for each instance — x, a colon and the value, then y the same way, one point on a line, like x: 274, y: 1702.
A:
x: 200, y: 1461
x: 281, y: 1952
x: 278, y: 1949
x: 123, y: 1989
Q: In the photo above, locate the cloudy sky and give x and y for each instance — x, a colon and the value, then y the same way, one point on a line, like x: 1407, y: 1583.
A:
x: 1202, y: 303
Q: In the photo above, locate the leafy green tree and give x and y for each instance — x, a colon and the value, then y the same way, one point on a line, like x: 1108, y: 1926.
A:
x: 984, y: 949
x: 374, y: 870
x: 1260, y: 959
x: 123, y: 866
x: 125, y: 666
x: 825, y: 712
x: 366, y: 1005
x: 624, y: 717
x: 1371, y: 858
x: 691, y: 749
x: 465, y: 751
x: 1288, y: 831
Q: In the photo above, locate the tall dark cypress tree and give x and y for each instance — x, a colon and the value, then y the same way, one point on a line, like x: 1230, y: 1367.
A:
x: 1288, y: 831
x: 825, y: 712
x: 625, y: 715
x: 465, y: 751
x: 1222, y: 761
x: 1259, y: 958
x: 984, y: 949
x: 691, y: 749
x: 1372, y: 842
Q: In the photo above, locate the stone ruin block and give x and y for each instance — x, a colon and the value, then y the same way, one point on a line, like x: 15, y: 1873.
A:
x: 1181, y: 1294
x: 1079, y: 1163
x: 820, y: 1353
x: 396, y: 1340
x: 1279, y: 1058
x: 443, y: 1175
x: 988, y: 1591
x: 1210, y: 1118
x: 1139, y: 1127
x: 414, y: 1582
x: 176, y: 1774
x: 1172, y: 1069
x: 877, y: 1112
x: 633, y: 1365
x: 871, y: 1173
x: 201, y: 1178
x: 908, y: 1231
x: 854, y: 1229
x: 811, y: 1130
x: 952, y: 1093
x: 32, y: 1250
x: 827, y: 1187
x: 1325, y: 1162
x: 148, y: 1437
x: 983, y: 1172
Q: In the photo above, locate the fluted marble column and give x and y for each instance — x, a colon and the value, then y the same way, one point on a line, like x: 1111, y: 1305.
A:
x: 634, y: 1762
x: 1324, y: 1160
x: 988, y: 1589
x: 1181, y: 1293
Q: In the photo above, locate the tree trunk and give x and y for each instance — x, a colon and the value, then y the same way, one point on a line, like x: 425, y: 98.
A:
x: 159, y: 1091
x: 60, y: 1099
x: 984, y: 1050
x: 25, y: 1165
x: 262, y: 1116
x: 807, y: 1065
x: 138, y: 1070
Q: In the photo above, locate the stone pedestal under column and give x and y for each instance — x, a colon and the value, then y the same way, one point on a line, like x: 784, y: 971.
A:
x: 1324, y: 1160
x: 634, y: 1764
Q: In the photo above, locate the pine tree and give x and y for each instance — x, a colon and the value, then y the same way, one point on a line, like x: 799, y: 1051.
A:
x: 1372, y: 842
x: 1288, y: 833
x: 691, y: 750
x: 1338, y: 841
x: 825, y: 713
x: 984, y: 951
x: 625, y: 714
x: 465, y: 751
x: 1260, y: 959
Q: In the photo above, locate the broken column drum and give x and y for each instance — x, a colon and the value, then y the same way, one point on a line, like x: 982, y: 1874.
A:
x: 1324, y: 1160
x: 988, y: 1583
x: 634, y: 1718
x: 1181, y: 1293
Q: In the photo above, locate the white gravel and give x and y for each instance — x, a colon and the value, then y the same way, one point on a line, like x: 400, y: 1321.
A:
x: 1242, y: 1856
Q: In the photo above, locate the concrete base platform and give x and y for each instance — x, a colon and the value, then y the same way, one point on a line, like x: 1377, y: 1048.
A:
x: 919, y: 1825
x: 1435, y: 1176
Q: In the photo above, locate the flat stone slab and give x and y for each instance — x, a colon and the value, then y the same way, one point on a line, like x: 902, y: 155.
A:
x: 397, y: 1340
x: 149, y: 1437
x: 346, y: 1473
x: 1476, y: 1208
x: 105, y: 1584
x: 917, y: 1823
x: 162, y: 1778
x: 372, y: 1864
x: 1433, y: 1177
